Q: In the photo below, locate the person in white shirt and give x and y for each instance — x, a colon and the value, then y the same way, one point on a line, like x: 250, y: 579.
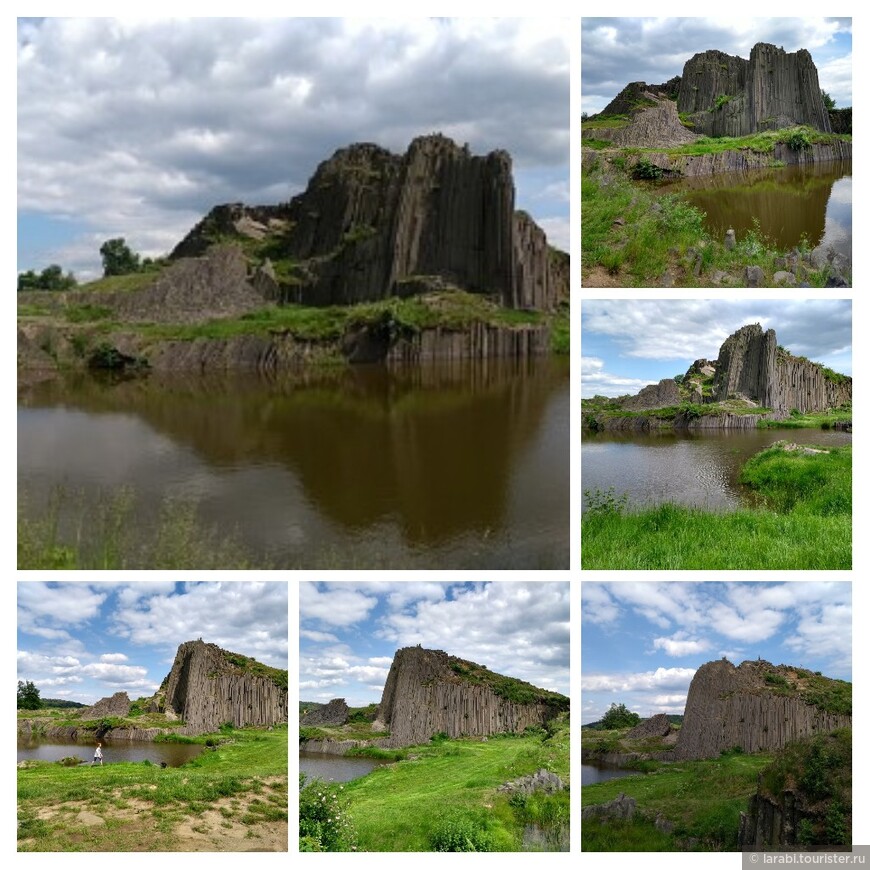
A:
x: 98, y: 755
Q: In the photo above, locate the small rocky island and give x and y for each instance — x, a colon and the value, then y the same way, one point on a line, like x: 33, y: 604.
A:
x: 753, y: 379
x: 434, y: 230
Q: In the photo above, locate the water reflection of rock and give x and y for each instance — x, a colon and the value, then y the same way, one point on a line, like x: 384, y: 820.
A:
x: 787, y: 202
x: 431, y: 448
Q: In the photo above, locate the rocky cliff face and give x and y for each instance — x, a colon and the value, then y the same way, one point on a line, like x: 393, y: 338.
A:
x: 427, y: 692
x: 751, y: 366
x: 664, y: 394
x: 755, y: 706
x: 333, y: 713
x: 731, y: 96
x: 372, y: 224
x: 207, y: 688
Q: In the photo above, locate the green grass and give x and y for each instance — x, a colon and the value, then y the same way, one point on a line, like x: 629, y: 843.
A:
x: 814, y: 420
x: 763, y: 142
x: 252, y: 763
x: 400, y: 807
x: 120, y: 283
x: 509, y: 688
x: 805, y: 523
x: 702, y: 799
x: 657, y: 234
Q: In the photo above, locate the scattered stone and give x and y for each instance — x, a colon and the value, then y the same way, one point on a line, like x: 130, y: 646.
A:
x: 730, y: 240
x: 90, y: 819
x: 619, y: 222
x: 836, y: 281
x: 781, y: 263
x: 720, y: 277
x: 542, y: 780
x: 663, y: 825
x: 753, y: 276
x: 621, y: 807
x: 667, y: 280
x: 783, y: 277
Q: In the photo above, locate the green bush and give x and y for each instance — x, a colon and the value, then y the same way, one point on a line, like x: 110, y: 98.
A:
x: 645, y: 170
x: 461, y: 831
x: 325, y: 824
x: 605, y: 501
x: 798, y: 140
x: 619, y: 716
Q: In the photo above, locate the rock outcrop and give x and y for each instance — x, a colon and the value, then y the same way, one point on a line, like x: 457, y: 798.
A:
x: 428, y: 692
x: 208, y: 686
x: 755, y: 706
x: 664, y: 394
x: 333, y: 713
x: 752, y: 366
x: 731, y: 96
x: 117, y: 705
x: 656, y: 726
x: 541, y: 780
x: 372, y: 224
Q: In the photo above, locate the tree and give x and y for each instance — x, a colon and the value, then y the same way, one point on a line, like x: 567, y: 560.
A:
x: 28, y: 696
x: 118, y: 259
x: 50, y: 278
x: 829, y: 103
x: 619, y: 716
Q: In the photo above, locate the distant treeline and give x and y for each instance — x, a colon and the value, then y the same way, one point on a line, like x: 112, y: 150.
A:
x: 673, y: 719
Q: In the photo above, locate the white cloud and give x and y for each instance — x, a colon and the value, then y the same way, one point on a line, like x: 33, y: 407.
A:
x: 681, y: 645
x: 113, y: 658
x: 660, y: 678
x: 337, y: 605
x: 318, y: 636
x: 243, y: 616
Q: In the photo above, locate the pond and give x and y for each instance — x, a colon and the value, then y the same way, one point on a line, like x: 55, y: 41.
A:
x: 171, y: 754
x: 814, y: 200
x: 338, y: 768
x: 695, y: 469
x: 462, y: 466
x: 592, y: 773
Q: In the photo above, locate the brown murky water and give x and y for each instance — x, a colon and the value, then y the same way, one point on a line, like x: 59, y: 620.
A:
x: 693, y: 469
x: 462, y: 466
x: 171, y: 754
x: 813, y: 200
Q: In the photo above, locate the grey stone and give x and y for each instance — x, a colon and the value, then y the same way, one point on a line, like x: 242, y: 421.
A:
x: 784, y: 278
x: 730, y: 240
x: 656, y: 726
x: 720, y: 277
x: 753, y: 276
x: 667, y: 280
x: 621, y: 807
x: 542, y: 780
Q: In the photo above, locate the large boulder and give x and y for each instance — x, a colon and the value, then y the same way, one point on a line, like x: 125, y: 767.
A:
x: 656, y: 726
x: 333, y: 713
x: 116, y: 705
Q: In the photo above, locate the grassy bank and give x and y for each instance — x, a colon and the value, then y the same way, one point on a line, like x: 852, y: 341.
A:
x: 817, y: 420
x: 702, y: 800
x: 633, y: 236
x: 444, y: 796
x: 805, y: 522
x: 232, y: 797
x: 450, y: 310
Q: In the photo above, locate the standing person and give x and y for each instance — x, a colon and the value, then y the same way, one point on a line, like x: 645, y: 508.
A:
x: 98, y: 755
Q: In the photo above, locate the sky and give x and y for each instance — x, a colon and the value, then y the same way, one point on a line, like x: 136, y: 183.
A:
x: 349, y: 632
x: 643, y: 641
x: 85, y: 641
x: 136, y: 128
x: 616, y: 51
x: 629, y: 343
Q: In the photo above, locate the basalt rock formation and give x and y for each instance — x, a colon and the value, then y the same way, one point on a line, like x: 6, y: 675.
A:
x: 209, y: 686
x: 372, y: 224
x: 428, y: 692
x: 756, y: 706
x: 731, y: 96
x: 752, y: 370
x: 117, y: 705
x: 751, y: 365
x: 333, y: 713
